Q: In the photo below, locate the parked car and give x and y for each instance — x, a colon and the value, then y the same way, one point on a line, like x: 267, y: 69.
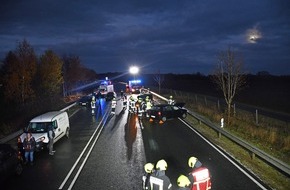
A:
x: 10, y: 162
x: 85, y: 101
x: 163, y: 112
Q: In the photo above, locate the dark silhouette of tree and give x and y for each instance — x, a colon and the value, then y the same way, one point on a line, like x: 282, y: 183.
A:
x: 229, y: 76
x: 159, y: 79
x: 75, y: 74
x: 50, y: 73
x: 20, y: 69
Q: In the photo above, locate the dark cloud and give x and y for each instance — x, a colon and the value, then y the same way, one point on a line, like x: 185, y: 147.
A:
x: 170, y: 36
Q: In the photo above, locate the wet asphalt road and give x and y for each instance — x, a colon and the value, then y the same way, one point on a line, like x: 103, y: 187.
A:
x: 118, y: 148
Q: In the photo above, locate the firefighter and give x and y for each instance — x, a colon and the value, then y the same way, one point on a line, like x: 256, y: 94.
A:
x: 170, y: 100
x: 124, y: 101
x: 149, y: 169
x: 160, y: 179
x: 114, y: 103
x: 148, y: 105
x: 131, y: 104
x: 200, y: 176
x: 183, y: 183
x: 93, y: 105
x: 138, y: 105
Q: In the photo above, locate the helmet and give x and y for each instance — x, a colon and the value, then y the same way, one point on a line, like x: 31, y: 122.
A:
x: 191, y: 161
x: 183, y: 181
x: 161, y: 165
x: 148, y: 167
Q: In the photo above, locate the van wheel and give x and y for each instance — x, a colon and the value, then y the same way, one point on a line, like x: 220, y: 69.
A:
x: 67, y: 132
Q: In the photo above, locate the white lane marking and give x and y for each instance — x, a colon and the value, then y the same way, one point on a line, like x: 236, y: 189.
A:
x: 80, y: 156
x: 86, y: 158
x: 241, y: 169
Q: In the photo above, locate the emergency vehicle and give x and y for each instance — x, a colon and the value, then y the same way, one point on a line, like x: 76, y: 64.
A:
x: 106, y: 88
x: 135, y: 85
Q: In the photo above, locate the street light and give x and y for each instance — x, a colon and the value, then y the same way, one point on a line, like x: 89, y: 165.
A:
x: 134, y: 70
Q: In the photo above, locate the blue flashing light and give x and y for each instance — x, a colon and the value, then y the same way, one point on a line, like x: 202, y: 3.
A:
x: 135, y: 81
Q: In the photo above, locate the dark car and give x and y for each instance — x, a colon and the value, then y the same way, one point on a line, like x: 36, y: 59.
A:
x: 10, y: 162
x: 162, y: 112
x: 85, y: 101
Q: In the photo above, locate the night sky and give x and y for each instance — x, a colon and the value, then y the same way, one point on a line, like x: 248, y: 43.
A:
x: 170, y: 36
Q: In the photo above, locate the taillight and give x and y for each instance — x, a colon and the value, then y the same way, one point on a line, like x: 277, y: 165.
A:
x: 159, y: 113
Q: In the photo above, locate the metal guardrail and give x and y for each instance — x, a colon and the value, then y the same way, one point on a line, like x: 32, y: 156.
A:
x: 282, y: 166
x: 19, y: 132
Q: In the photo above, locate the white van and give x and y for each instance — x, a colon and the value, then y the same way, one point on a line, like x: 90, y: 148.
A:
x: 38, y: 127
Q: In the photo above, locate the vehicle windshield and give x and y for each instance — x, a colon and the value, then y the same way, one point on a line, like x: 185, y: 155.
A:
x: 38, y: 127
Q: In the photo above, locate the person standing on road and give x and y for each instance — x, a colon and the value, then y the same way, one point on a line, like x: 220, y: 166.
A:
x: 50, y: 135
x: 200, y: 176
x: 29, y: 146
x: 183, y: 183
x: 162, y: 179
x: 149, y: 169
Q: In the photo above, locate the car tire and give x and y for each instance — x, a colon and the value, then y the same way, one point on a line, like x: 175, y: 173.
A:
x: 163, y: 118
x: 67, y: 132
x: 184, y: 116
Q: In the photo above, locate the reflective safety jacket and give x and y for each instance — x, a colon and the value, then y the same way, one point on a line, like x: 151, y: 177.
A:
x: 93, y: 104
x: 200, y: 179
x: 114, y: 103
x: 148, y: 105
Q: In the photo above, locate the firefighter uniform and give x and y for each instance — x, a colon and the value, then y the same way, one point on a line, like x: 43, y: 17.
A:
x: 149, y: 169
x: 170, y: 101
x: 114, y: 104
x: 200, y: 176
x: 93, y: 105
x: 159, y: 179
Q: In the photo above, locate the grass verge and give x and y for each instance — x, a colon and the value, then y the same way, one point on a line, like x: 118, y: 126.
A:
x: 262, y: 170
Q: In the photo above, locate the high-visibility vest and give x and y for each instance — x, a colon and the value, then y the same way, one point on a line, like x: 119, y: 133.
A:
x: 201, y: 179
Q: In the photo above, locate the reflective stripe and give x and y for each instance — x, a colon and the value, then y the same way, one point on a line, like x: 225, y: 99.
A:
x: 154, y: 182
x: 201, y: 175
x: 201, y: 179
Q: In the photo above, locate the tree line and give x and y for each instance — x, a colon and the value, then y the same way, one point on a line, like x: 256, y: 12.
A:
x: 25, y: 77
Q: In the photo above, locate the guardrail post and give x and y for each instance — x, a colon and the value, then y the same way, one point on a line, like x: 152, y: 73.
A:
x: 257, y: 119
x: 253, y: 155
x: 219, y: 135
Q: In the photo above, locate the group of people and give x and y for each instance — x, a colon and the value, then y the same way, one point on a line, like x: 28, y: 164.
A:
x: 156, y: 179
x: 28, y: 146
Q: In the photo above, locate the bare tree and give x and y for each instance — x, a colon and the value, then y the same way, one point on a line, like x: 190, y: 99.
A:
x: 159, y: 79
x: 229, y: 76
